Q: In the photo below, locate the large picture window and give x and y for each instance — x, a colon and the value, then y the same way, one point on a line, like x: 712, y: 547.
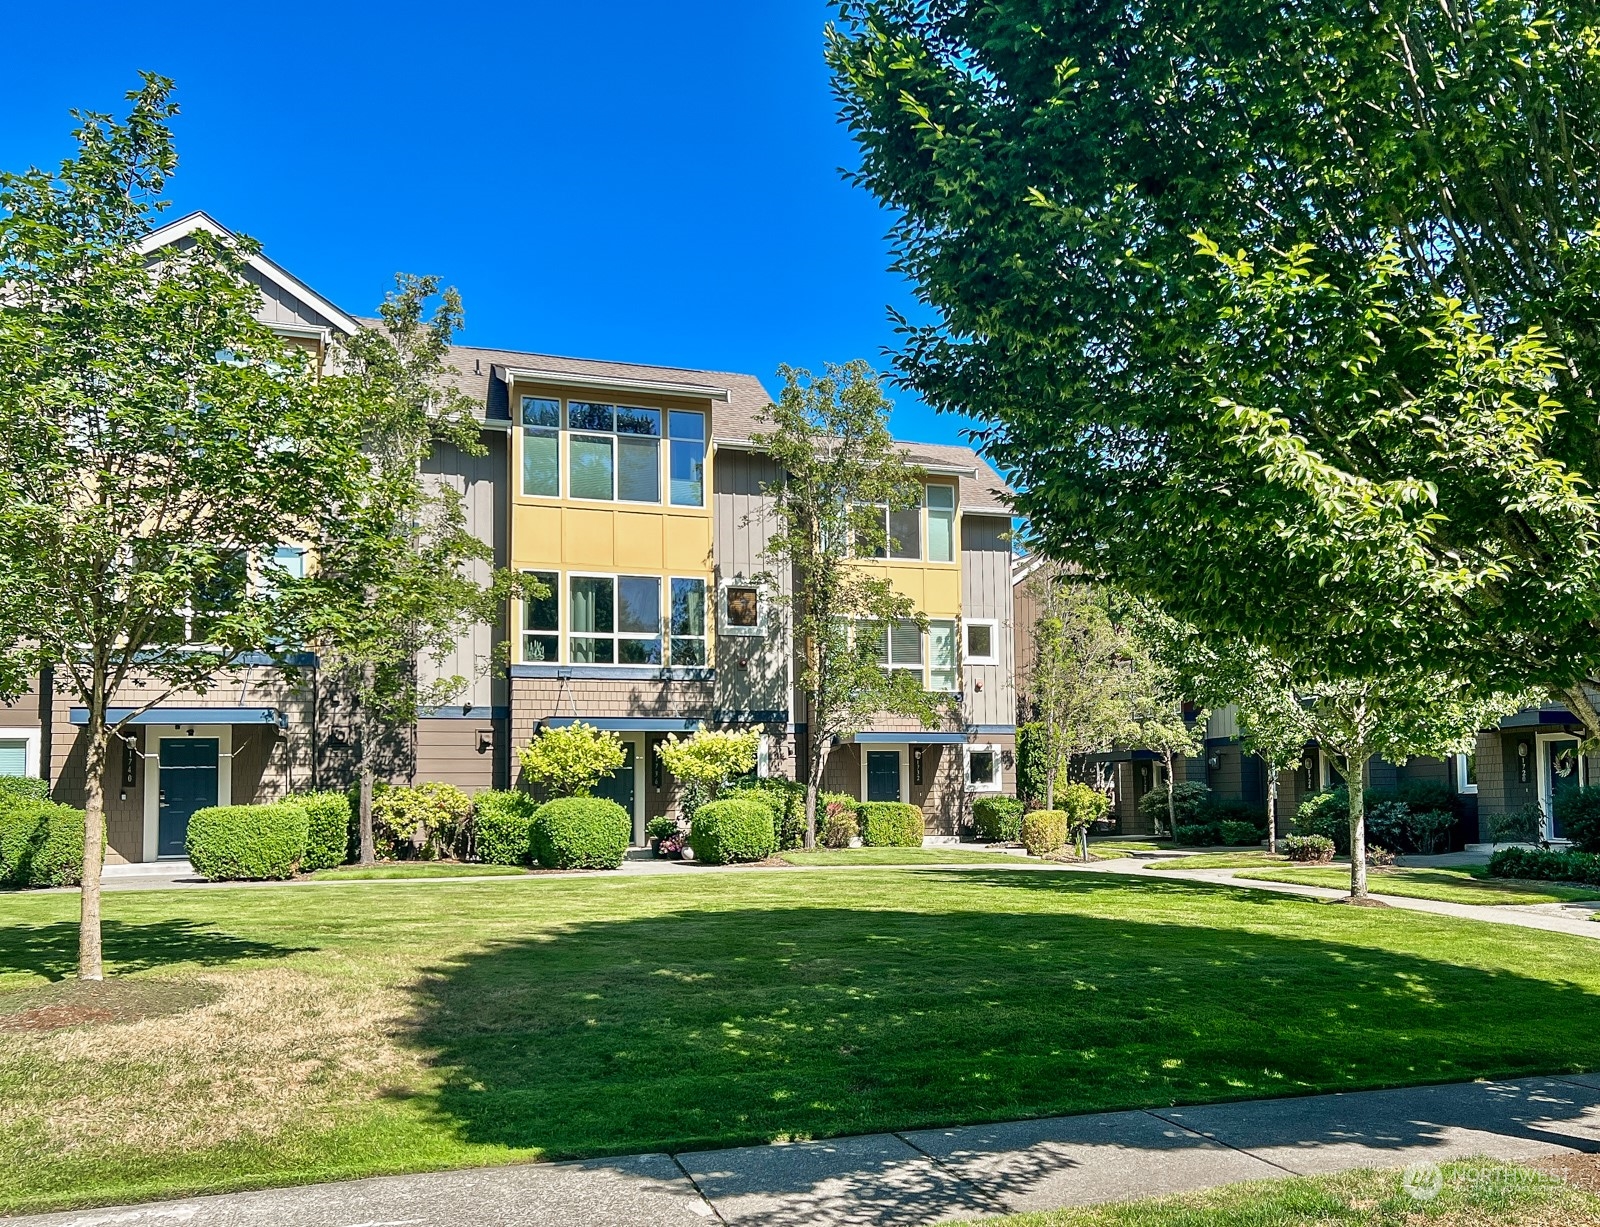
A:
x: 614, y: 453
x: 614, y: 620
x: 541, y: 621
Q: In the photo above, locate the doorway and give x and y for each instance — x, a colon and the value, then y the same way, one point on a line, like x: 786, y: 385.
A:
x: 1561, y: 770
x: 883, y: 775
x: 622, y: 786
x: 188, y: 782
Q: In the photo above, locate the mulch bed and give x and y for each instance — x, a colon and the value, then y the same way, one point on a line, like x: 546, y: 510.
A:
x: 79, y: 1003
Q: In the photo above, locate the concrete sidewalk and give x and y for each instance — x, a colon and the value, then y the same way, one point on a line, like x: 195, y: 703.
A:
x: 936, y: 1175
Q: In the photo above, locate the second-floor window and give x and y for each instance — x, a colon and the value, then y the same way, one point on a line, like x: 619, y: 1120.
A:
x: 902, y: 530
x: 613, y: 453
x: 616, y: 620
x: 942, y: 655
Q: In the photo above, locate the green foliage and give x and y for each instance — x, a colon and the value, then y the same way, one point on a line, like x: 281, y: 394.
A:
x: 998, y: 818
x: 23, y: 787
x: 328, y: 829
x: 41, y: 843
x: 1083, y: 805
x: 788, y: 801
x: 581, y: 833
x: 1045, y: 831
x: 248, y: 842
x: 661, y: 827
x: 724, y: 832
x: 1546, y: 865
x: 1189, y: 803
x: 1197, y: 834
x: 710, y: 757
x: 1033, y: 765
x: 1522, y: 825
x: 503, y: 827
x: 1316, y: 849
x: 1326, y: 813
x: 841, y: 819
x: 426, y: 822
x: 1238, y: 834
x: 1429, y: 830
x: 570, y: 760
x: 1578, y: 812
x: 891, y: 824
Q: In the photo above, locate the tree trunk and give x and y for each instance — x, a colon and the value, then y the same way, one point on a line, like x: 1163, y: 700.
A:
x: 90, y: 966
x: 369, y: 854
x: 1355, y: 773
x: 1051, y: 759
x: 1172, y: 805
x: 819, y: 764
x: 1272, y: 808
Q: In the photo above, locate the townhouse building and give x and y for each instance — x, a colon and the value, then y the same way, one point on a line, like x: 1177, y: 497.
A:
x: 639, y: 499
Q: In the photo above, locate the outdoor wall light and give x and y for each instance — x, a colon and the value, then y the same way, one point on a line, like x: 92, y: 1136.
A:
x: 1522, y: 762
x: 916, y: 765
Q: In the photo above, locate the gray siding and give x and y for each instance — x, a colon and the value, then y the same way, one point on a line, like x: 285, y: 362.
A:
x: 279, y: 307
x: 752, y: 672
x: 986, y: 593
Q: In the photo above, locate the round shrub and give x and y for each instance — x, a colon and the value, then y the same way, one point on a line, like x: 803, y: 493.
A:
x: 1045, y: 830
x: 891, y: 824
x: 727, y: 831
x: 427, y: 821
x: 788, y: 801
x: 582, y: 833
x: 1240, y: 833
x: 23, y: 788
x: 503, y: 825
x: 1189, y: 800
x: 247, y: 842
x: 41, y: 843
x: 998, y: 819
x: 839, y: 818
x: 328, y: 829
x: 1578, y: 816
x: 1084, y: 806
x: 1317, y: 849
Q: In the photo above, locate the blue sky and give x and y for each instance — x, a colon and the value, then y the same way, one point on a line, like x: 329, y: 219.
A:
x: 640, y: 181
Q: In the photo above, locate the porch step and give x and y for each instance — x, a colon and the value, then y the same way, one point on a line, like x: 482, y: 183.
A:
x: 152, y: 869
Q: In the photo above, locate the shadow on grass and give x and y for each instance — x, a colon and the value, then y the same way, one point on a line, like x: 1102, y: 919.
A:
x: 51, y: 950
x: 704, y: 1028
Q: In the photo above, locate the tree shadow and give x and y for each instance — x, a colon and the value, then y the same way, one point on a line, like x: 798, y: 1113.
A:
x: 700, y: 1029
x: 51, y: 950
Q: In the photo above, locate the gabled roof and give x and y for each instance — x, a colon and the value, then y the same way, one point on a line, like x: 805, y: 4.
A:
x: 275, y: 274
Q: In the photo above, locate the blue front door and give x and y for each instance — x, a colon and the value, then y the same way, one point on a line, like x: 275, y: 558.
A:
x: 188, y: 782
x: 619, y: 786
x: 883, y: 775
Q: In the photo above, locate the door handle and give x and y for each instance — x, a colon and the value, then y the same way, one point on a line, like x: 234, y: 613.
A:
x: 161, y: 797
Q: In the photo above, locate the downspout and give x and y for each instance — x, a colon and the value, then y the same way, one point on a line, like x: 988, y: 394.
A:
x: 47, y: 720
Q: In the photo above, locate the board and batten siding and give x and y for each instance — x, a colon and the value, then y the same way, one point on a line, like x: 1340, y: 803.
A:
x: 752, y: 672
x: 986, y: 593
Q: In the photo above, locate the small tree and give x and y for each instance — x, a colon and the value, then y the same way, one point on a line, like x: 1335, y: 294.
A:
x: 841, y: 468
x: 1161, y: 719
x: 570, y: 760
x: 706, y: 761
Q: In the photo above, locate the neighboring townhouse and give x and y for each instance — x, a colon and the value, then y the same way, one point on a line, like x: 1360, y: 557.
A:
x: 637, y: 497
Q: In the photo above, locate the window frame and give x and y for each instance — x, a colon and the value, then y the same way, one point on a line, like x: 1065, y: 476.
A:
x: 993, y: 786
x: 994, y: 641
x: 727, y: 627
x: 523, y: 632
x: 32, y: 739
x: 1463, y: 786
x: 954, y: 511
x: 955, y: 663
x: 616, y: 635
x: 704, y: 637
x: 528, y: 430
x: 672, y: 441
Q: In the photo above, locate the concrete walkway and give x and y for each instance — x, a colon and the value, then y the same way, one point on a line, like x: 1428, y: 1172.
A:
x: 937, y: 1175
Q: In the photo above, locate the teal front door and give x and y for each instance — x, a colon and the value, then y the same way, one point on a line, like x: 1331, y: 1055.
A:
x: 188, y: 782
x: 619, y: 787
x: 883, y: 775
x: 1563, y: 774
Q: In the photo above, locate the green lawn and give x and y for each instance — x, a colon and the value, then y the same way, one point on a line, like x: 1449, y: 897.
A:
x: 427, y: 869
x: 1477, y: 1194
x: 899, y: 856
x: 1244, y: 858
x: 1114, y: 844
x: 1445, y: 885
x: 278, y: 1034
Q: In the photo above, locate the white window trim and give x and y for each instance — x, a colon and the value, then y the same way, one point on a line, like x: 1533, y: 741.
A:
x: 957, y: 631
x: 561, y: 619
x: 565, y: 432
x: 154, y: 735
x: 1461, y: 776
x: 994, y: 641
x: 616, y: 636
x: 955, y: 523
x: 724, y: 627
x: 901, y: 750
x: 999, y: 783
x: 32, y: 739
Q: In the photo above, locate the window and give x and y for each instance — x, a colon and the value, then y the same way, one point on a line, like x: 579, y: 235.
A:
x: 291, y: 560
x: 1467, y: 773
x: 982, y: 641
x: 639, y: 455
x: 942, y: 656
x: 688, y: 431
x: 869, y: 531
x: 688, y: 622
x: 19, y: 751
x: 905, y: 532
x: 741, y: 609
x: 895, y: 646
x: 591, y: 458
x: 983, y: 768
x: 941, y: 523
x: 614, y: 620
x: 541, y: 447
x: 541, y: 621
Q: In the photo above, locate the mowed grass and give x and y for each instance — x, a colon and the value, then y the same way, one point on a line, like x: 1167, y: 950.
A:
x: 421, y: 869
x: 899, y: 856
x: 301, y: 1033
x: 1242, y: 859
x: 1476, y: 1194
x: 1444, y: 885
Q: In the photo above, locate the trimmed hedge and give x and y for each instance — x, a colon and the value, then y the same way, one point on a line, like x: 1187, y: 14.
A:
x: 327, y: 831
x: 891, y: 824
x: 1317, y: 849
x: 504, y: 827
x: 581, y: 833
x: 1546, y: 865
x: 230, y: 843
x: 733, y: 830
x: 998, y: 818
x: 1240, y: 833
x: 23, y: 788
x: 787, y: 798
x: 1198, y: 834
x: 41, y: 843
x: 1045, y: 830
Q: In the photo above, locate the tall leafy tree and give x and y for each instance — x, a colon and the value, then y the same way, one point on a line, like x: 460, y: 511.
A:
x: 157, y: 445
x: 1284, y: 315
x: 841, y: 468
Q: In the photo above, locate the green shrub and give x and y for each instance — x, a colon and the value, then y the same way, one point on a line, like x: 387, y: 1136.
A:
x: 41, y: 843
x: 1387, y: 822
x: 1578, y: 816
x: 998, y: 818
x: 581, y: 833
x: 787, y: 798
x: 569, y: 761
x: 1223, y: 810
x: 503, y: 827
x: 1189, y: 802
x: 230, y: 843
x: 733, y: 830
x: 1033, y: 763
x: 328, y: 829
x: 1542, y: 864
x: 661, y: 827
x: 23, y: 788
x: 1045, y: 830
x: 1198, y: 834
x: 891, y: 824
x: 428, y: 821
x: 839, y: 818
x: 1429, y: 831
x: 1317, y: 849
x: 1084, y: 806
x: 1379, y: 857
x: 1425, y: 796
x: 1521, y: 826
x: 1327, y: 814
x: 1238, y: 834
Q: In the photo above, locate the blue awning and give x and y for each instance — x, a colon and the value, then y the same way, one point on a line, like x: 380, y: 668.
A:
x: 913, y: 738
x: 190, y: 715
x: 626, y: 724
